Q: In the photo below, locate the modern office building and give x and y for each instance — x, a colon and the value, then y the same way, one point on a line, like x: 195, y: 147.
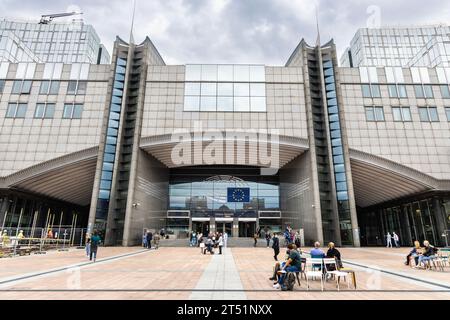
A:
x: 30, y: 41
x: 414, y: 46
x: 345, y: 154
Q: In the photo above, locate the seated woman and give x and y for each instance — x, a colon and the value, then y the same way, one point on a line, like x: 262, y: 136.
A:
x: 333, y: 253
x: 414, y: 253
x: 427, y: 255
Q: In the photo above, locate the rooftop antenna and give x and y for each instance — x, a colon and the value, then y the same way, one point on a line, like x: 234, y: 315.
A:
x: 317, y: 26
x: 47, y: 18
x: 132, y: 22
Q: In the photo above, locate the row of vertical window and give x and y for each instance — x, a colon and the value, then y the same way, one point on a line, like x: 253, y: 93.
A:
x: 44, y: 110
x: 403, y: 114
x: 47, y: 87
x: 423, y: 91
x: 111, y: 135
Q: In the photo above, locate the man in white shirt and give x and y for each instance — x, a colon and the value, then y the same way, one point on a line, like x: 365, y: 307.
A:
x: 225, y: 239
x: 396, y: 239
x: 388, y: 240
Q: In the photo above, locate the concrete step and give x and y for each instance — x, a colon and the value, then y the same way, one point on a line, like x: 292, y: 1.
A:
x: 232, y: 242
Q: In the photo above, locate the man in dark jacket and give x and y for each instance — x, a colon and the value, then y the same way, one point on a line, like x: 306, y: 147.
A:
x: 149, y: 240
x: 275, y: 247
x: 334, y: 253
x: 95, y: 241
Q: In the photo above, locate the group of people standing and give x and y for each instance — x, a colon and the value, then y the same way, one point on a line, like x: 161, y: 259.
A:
x: 394, y: 237
x: 148, y: 238
x: 208, y: 243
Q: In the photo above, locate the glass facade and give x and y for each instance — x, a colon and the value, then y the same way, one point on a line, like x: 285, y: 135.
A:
x: 111, y: 140
x: 53, y: 42
x: 226, y: 88
x: 337, y: 153
x: 420, y: 219
x: 204, y: 192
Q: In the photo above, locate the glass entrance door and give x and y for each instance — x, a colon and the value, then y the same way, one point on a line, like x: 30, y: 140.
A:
x: 223, y: 227
x: 247, y: 229
x: 201, y: 227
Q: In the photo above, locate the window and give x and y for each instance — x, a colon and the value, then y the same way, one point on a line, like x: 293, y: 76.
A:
x: 72, y: 87
x: 402, y: 91
x: 374, y: 114
x: 54, y: 87
x: 445, y: 92
x: 366, y: 91
x: 22, y: 87
x: 16, y: 110
x: 418, y: 89
x: 81, y: 89
x: 376, y: 91
x: 392, y: 88
x: 428, y: 90
x: 45, y: 85
x: 48, y: 87
x: 44, y: 111
x: 72, y: 111
x: 2, y: 86
x: 447, y: 112
x: 428, y: 114
x: 401, y: 114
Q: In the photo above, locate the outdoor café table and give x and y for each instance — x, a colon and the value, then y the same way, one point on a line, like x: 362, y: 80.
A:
x: 352, y: 272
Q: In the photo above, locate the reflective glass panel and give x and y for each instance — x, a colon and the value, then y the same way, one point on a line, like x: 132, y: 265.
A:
x: 192, y: 89
x: 225, y: 89
x: 40, y: 110
x: 241, y: 104
x: 208, y: 89
x: 224, y: 103
x: 192, y: 103
x: 433, y: 114
x: 257, y: 104
x: 257, y: 89
x: 241, y: 90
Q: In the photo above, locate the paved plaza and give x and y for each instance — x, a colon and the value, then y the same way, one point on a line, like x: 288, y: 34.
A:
x: 184, y: 273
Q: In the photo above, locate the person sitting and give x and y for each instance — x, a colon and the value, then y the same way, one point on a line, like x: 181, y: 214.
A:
x: 427, y: 255
x: 414, y: 253
x: 293, y: 264
x: 333, y: 253
x: 317, y: 252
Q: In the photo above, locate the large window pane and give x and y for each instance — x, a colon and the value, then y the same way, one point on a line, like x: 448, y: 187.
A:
x: 207, y: 103
x: 423, y: 114
x: 241, y: 73
x: 71, y: 87
x: 225, y: 73
x: 11, y: 111
x: 257, y: 73
x: 192, y: 89
x: 224, y: 103
x: 208, y: 89
x: 428, y: 91
x: 17, y: 84
x: 433, y: 114
x: 379, y: 114
x: 392, y: 91
x: 419, y: 91
x: 193, y: 72
x: 21, y: 110
x: 54, y: 87
x: 257, y: 89
x: 376, y: 91
x: 209, y: 73
x: 370, y: 115
x: 402, y: 91
x: 40, y: 110
x: 82, y: 86
x: 45, y: 85
x: 26, y: 86
x: 406, y: 114
x: 447, y: 112
x: 445, y: 92
x: 191, y: 103
x: 241, y: 104
x: 67, y: 112
x: 225, y: 89
x: 241, y: 90
x: 397, y: 114
x: 366, y: 91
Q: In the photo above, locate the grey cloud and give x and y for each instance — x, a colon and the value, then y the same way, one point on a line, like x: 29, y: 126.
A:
x: 233, y: 31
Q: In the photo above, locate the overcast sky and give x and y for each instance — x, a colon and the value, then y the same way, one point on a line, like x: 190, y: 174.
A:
x: 234, y: 31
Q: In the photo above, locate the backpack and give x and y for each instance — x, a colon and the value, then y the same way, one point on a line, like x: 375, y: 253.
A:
x: 289, y: 281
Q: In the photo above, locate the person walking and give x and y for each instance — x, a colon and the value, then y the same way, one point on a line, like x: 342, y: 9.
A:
x: 388, y: 240
x: 144, y: 240
x: 149, y: 240
x: 95, y: 241
x: 156, y: 238
x: 220, y: 241
x: 225, y: 239
x: 275, y: 246
x: 268, y: 239
x: 88, y: 245
x: 255, y: 237
x: 396, y: 239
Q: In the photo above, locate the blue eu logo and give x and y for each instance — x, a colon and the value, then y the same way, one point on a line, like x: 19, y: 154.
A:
x: 238, y: 195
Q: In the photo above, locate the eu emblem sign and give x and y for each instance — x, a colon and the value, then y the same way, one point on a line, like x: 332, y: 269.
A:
x: 238, y: 195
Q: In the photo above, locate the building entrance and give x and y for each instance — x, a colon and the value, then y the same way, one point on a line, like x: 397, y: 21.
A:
x: 247, y: 229
x: 223, y: 227
x: 201, y: 227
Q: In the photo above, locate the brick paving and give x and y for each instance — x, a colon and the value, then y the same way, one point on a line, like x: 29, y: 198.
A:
x: 184, y: 273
